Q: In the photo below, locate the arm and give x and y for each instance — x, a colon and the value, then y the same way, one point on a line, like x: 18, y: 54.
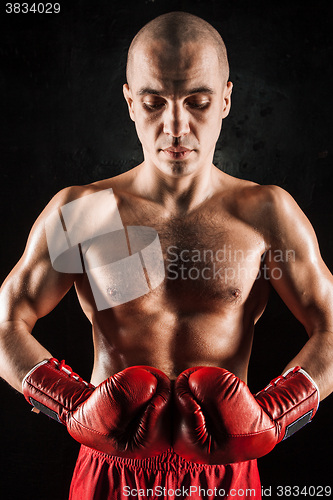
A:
x: 218, y: 420
x: 299, y: 275
x: 127, y: 414
x: 31, y: 291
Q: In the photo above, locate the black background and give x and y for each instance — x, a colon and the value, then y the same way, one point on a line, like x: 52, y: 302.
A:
x: 65, y: 122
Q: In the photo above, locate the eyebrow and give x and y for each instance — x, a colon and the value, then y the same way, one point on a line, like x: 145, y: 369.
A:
x: 195, y: 90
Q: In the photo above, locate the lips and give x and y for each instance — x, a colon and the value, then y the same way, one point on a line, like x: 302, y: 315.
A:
x: 177, y: 153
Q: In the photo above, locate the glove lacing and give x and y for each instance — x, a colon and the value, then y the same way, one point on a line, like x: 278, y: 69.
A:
x: 68, y: 370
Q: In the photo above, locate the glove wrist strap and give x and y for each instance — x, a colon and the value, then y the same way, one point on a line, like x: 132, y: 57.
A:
x: 54, y: 389
x: 33, y: 369
x: 305, y: 373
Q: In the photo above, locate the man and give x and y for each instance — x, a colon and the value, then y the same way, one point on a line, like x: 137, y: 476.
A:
x: 219, y: 236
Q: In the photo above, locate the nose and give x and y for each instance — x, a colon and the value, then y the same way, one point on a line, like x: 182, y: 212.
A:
x: 176, y: 121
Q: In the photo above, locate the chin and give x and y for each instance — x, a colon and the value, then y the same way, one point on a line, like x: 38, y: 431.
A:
x: 178, y: 169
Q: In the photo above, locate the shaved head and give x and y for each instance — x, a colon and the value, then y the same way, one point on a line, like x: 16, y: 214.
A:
x: 178, y: 92
x: 175, y: 30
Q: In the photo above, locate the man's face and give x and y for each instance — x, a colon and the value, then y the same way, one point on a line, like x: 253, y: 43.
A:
x: 177, y: 101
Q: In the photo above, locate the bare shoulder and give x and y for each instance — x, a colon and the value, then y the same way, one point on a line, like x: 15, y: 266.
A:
x: 250, y: 194
x: 112, y: 186
x: 278, y: 217
x: 273, y: 206
x: 37, y: 239
x: 59, y: 200
x: 269, y: 209
x: 272, y: 199
x: 73, y: 193
x: 257, y: 202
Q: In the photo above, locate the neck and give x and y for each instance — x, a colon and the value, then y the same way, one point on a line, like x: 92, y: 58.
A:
x: 176, y: 194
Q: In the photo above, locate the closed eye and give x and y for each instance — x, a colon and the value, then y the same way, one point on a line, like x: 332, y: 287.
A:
x: 197, y: 104
x: 192, y: 102
x: 153, y: 106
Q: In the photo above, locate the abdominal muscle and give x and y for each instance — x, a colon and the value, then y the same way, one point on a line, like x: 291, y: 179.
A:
x: 149, y: 332
x: 186, y: 322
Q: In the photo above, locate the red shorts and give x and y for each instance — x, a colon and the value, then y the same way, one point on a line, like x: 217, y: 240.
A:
x: 98, y: 476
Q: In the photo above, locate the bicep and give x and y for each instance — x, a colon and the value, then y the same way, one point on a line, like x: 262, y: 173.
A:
x: 32, y: 291
x: 296, y: 268
x: 34, y: 287
x: 307, y: 289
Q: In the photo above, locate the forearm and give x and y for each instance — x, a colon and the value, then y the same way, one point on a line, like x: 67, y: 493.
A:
x: 316, y: 357
x: 19, y: 352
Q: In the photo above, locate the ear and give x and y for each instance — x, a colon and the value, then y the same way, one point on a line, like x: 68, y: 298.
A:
x: 128, y: 96
x: 227, y: 99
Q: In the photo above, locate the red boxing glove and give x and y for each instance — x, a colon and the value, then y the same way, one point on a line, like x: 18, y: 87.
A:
x: 126, y: 415
x: 221, y: 422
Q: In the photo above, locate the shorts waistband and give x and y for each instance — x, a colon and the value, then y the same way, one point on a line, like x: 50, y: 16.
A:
x: 167, y: 461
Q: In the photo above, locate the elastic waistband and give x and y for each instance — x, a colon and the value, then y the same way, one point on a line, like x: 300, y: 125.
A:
x: 167, y: 461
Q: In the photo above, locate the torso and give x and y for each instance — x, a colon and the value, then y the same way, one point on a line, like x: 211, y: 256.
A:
x: 204, y: 311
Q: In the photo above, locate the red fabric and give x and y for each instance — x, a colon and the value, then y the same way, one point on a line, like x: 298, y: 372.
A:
x: 98, y: 476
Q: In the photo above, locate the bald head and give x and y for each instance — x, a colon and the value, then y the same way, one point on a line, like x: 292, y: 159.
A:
x: 175, y: 30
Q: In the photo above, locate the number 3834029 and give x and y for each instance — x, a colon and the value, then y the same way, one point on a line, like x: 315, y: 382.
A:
x: 35, y: 8
x: 304, y: 491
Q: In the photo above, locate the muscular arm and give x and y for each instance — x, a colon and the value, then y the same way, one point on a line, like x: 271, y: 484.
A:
x: 301, y: 278
x: 31, y: 291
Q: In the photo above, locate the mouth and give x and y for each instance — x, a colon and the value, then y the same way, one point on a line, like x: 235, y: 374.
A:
x: 177, y: 153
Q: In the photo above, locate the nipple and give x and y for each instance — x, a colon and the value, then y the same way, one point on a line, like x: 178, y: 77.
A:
x: 112, y: 291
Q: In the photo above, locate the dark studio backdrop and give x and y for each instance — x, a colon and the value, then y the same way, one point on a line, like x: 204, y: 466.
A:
x: 65, y: 122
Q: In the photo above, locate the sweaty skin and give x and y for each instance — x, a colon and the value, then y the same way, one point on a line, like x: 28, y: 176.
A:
x: 224, y: 240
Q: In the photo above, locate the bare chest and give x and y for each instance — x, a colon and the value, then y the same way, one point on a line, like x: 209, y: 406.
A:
x: 210, y: 259
x: 200, y: 261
